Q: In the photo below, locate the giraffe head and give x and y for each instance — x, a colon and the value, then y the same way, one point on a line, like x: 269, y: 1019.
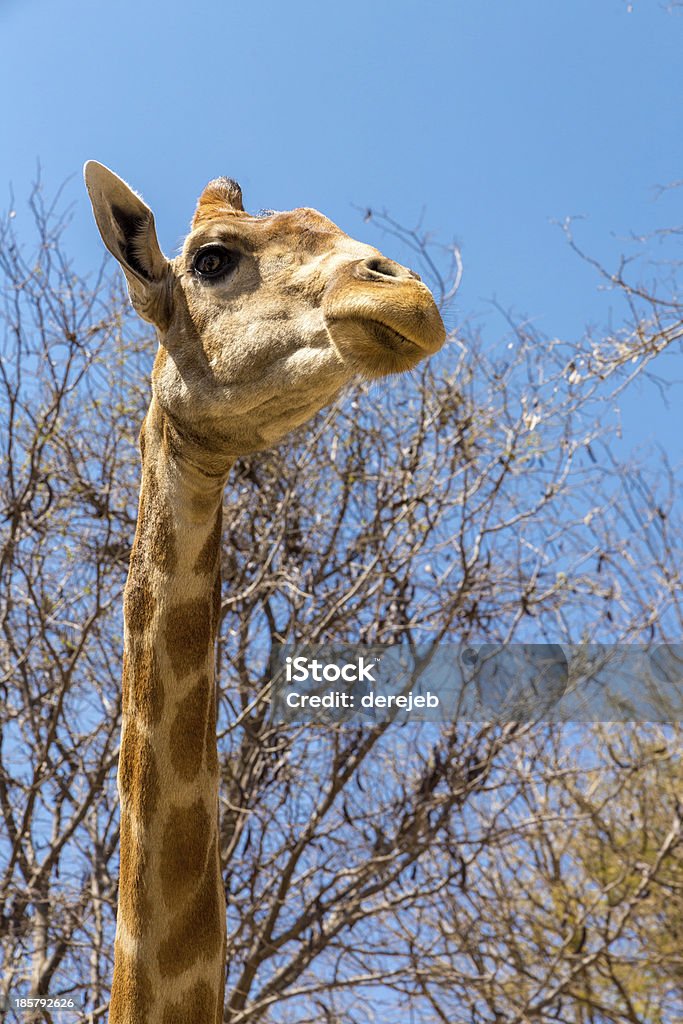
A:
x: 261, y: 319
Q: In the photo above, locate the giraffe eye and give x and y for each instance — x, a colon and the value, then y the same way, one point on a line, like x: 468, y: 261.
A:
x: 213, y: 261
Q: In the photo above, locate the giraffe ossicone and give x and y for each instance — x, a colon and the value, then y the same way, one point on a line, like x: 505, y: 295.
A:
x: 261, y: 321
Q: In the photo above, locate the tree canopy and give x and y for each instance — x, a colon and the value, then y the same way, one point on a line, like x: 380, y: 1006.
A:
x: 468, y: 871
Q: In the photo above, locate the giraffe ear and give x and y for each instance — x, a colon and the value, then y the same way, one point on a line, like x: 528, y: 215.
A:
x: 126, y: 225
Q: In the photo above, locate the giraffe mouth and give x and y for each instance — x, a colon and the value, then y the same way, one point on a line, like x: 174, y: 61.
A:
x: 389, y: 337
x: 371, y: 347
x: 380, y: 333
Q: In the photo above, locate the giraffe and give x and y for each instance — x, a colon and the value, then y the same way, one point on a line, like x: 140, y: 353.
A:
x: 261, y: 320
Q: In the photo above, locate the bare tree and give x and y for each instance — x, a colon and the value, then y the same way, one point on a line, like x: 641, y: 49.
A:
x: 372, y: 871
x: 568, y: 904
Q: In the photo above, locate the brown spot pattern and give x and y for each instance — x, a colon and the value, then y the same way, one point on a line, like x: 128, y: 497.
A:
x: 162, y: 544
x: 207, y: 557
x: 188, y: 731
x: 161, y: 541
x: 138, y: 775
x: 138, y: 603
x: 143, y: 692
x: 211, y: 745
x: 133, y: 908
x: 130, y: 992
x: 155, y: 537
x: 188, y: 635
x: 216, y: 597
x: 202, y: 504
x: 196, y: 932
x: 197, y: 1006
x: 184, y: 848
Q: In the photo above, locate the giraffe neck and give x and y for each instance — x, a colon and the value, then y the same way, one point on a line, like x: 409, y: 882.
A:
x: 170, y: 938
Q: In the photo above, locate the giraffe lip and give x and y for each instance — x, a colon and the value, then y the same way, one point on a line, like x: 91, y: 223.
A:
x: 386, y: 336
x: 389, y: 336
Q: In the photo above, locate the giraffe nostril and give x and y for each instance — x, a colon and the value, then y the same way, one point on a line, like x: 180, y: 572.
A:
x: 379, y: 266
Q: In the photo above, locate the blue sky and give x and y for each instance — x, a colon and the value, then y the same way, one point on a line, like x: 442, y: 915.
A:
x: 494, y: 117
